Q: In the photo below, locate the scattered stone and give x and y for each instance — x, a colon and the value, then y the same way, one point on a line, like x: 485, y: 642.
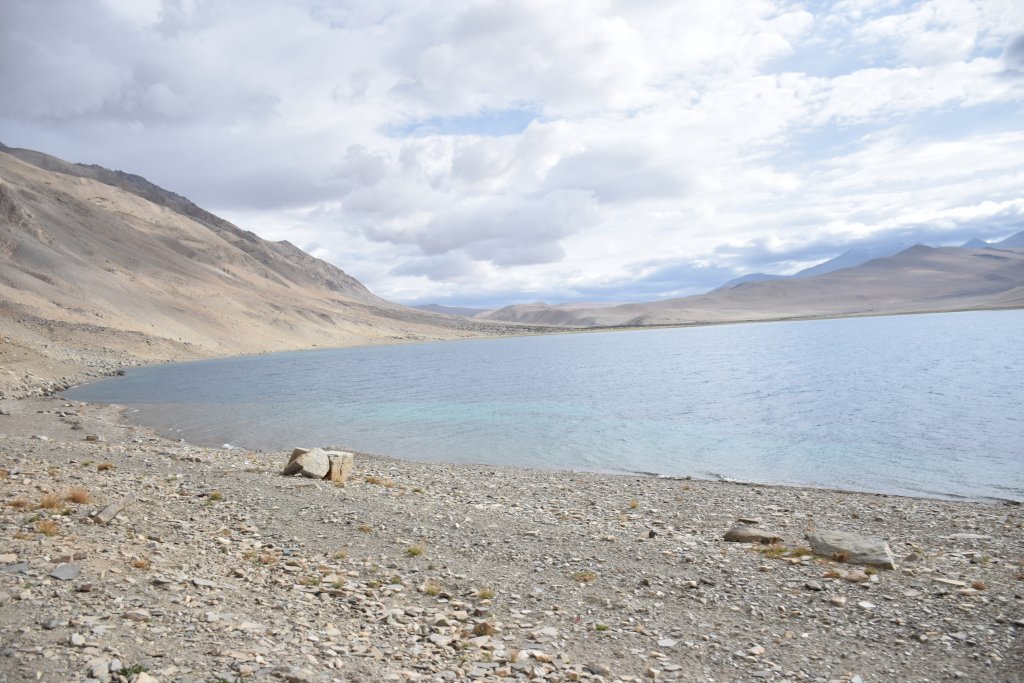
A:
x: 950, y: 582
x: 77, y: 639
x: 856, y: 576
x: 16, y: 568
x: 852, y: 548
x: 865, y: 605
x: 814, y: 586
x: 66, y: 572
x: 744, y: 533
x: 667, y: 642
x: 108, y: 513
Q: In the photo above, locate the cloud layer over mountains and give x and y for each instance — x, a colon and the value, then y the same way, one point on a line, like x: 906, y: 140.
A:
x: 469, y: 152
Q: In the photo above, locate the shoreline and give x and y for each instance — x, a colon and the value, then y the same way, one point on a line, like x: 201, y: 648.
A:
x: 430, y: 572
x: 947, y: 497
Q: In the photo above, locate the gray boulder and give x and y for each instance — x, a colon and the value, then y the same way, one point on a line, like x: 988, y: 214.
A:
x: 852, y: 548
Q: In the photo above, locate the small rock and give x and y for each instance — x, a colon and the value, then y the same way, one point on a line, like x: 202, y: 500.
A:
x: 113, y: 510
x: 814, y: 586
x: 743, y: 533
x: 66, y: 572
x: 77, y: 639
x: 667, y: 642
x: 857, y: 576
x: 146, y: 678
x: 865, y: 605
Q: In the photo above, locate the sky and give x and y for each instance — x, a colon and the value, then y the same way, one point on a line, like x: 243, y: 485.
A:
x: 488, y: 152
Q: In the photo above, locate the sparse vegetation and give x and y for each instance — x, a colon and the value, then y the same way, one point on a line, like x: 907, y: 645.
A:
x: 979, y: 585
x: 215, y: 496
x: 485, y: 593
x: 129, y: 671
x: 365, y: 528
x: 309, y: 581
x: 584, y: 576
x: 374, y: 480
x: 20, y: 503
x: 340, y: 554
x: 634, y: 504
x: 47, y: 527
x: 600, y: 627
x: 415, y: 550
x: 50, y: 501
x: 432, y: 587
x: 78, y: 495
x: 141, y: 563
x: 104, y: 467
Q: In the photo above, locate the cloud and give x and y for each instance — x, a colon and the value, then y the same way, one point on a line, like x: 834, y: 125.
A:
x: 1013, y: 55
x: 613, y: 149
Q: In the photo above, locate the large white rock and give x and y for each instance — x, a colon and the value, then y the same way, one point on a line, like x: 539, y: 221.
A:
x: 309, y: 462
x: 853, y: 548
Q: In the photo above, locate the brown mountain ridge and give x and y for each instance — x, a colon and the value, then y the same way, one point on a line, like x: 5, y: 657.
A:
x: 101, y: 268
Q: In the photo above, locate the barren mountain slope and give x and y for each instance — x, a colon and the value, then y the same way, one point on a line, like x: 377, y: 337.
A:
x: 919, y: 279
x: 94, y: 276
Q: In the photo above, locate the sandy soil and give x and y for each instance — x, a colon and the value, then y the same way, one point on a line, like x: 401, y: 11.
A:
x: 222, y: 568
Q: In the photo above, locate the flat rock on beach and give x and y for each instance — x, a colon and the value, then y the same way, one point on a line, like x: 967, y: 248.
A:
x: 216, y: 567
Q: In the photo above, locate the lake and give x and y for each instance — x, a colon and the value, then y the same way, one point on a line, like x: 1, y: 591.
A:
x: 924, y: 405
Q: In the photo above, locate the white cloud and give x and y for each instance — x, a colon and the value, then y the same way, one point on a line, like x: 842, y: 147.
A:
x: 567, y: 147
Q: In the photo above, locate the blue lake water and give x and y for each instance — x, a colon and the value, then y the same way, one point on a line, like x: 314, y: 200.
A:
x: 927, y: 405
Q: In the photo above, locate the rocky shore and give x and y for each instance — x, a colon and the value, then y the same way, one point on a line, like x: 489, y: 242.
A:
x: 212, y: 566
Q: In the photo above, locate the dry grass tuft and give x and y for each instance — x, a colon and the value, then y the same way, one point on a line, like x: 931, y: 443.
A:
x: 141, y: 563
x: 634, y: 504
x: 584, y: 577
x: 47, y: 527
x: 374, y: 480
x: 78, y: 495
x: 432, y: 587
x: 485, y: 593
x: 365, y: 528
x: 20, y: 503
x: 415, y: 550
x: 51, y: 501
x: 215, y: 495
x: 979, y: 585
x: 104, y: 467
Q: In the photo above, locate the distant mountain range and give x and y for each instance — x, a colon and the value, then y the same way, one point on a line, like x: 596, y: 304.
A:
x: 915, y: 279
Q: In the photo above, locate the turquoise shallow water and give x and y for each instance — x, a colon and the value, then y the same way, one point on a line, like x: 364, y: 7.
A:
x: 922, y: 405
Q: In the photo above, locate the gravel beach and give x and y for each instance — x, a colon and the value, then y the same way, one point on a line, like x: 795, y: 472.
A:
x: 216, y: 567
